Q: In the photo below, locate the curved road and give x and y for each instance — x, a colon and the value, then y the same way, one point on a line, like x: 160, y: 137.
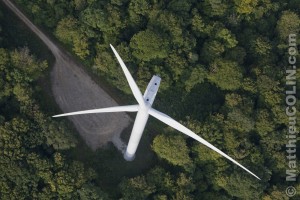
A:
x: 74, y: 90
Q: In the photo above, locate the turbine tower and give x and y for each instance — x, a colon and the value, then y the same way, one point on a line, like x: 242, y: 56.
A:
x: 144, y: 109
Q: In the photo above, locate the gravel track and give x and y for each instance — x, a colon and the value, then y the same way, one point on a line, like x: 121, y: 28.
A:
x: 74, y: 90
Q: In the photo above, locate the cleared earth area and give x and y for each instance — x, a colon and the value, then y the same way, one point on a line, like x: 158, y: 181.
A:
x: 74, y: 90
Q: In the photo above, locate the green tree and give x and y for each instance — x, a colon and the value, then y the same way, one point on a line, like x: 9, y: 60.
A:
x: 165, y: 146
x: 68, y: 31
x: 180, y: 7
x: 197, y: 76
x: 264, y: 122
x: 214, y: 7
x: 177, y: 65
x: 269, y: 90
x: 148, y: 45
x: 89, y: 191
x: 225, y: 74
x: 211, y: 50
x: 197, y: 24
x: 243, y: 187
x: 28, y: 65
x: 79, y: 4
x: 138, y: 11
x: 136, y: 188
x: 245, y: 6
x: 238, y: 120
x: 221, y: 53
x: 262, y: 47
x: 185, y: 183
x: 162, y: 179
x: 227, y: 38
x: 288, y: 23
x: 276, y: 194
x: 171, y: 25
x: 237, y: 54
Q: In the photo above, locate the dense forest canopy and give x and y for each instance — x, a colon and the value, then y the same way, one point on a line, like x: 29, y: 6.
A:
x: 33, y: 164
x: 222, y: 65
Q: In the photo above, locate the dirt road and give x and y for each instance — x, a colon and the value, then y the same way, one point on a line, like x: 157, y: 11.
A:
x: 74, y: 90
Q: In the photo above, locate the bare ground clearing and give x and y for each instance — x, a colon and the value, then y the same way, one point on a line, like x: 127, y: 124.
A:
x: 74, y: 90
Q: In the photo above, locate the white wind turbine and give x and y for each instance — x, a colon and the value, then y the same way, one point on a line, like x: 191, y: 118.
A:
x: 143, y: 109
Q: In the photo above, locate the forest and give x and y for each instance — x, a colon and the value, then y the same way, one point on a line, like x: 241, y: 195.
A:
x: 223, y: 68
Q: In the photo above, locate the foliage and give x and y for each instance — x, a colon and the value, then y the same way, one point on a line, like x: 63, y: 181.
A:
x: 173, y: 149
x: 225, y: 74
x: 288, y: 24
x: 149, y: 45
x: 159, y: 184
x: 33, y: 163
x: 222, y: 65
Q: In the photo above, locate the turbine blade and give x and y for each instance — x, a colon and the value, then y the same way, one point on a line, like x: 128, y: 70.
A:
x: 131, y: 108
x: 171, y: 122
x: 133, y: 86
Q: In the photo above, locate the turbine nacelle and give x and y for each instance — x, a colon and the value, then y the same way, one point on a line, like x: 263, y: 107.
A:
x: 144, y: 109
x: 151, y: 90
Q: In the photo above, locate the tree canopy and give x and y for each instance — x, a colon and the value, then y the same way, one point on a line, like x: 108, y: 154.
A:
x: 222, y: 65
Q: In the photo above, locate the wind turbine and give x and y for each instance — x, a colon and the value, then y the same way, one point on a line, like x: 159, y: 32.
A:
x: 144, y: 109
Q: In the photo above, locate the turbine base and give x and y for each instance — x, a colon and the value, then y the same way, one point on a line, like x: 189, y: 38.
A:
x: 128, y: 156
